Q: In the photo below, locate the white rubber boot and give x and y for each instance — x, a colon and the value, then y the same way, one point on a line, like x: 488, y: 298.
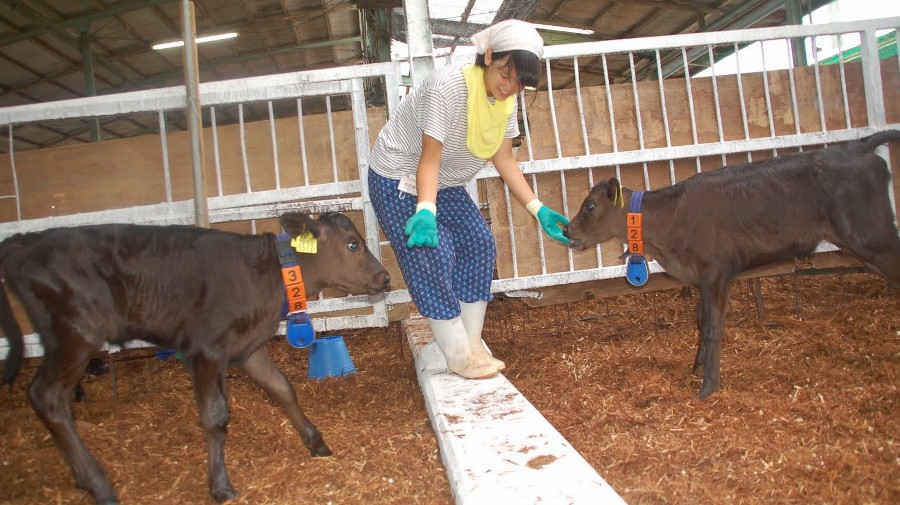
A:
x: 462, y: 358
x: 472, y: 315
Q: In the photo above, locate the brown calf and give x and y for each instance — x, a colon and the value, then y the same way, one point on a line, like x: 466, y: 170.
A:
x: 215, y: 296
x: 709, y: 228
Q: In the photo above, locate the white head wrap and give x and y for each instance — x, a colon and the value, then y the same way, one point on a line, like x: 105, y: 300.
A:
x: 508, y: 35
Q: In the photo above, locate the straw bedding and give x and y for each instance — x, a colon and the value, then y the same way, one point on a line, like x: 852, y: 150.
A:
x: 807, y: 413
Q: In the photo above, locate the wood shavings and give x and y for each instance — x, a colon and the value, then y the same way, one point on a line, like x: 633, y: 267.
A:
x: 807, y: 411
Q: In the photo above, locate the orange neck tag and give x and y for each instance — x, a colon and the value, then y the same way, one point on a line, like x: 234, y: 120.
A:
x: 294, y: 288
x: 635, y: 233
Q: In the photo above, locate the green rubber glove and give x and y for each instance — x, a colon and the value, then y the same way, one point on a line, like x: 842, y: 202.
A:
x: 422, y: 229
x: 549, y: 220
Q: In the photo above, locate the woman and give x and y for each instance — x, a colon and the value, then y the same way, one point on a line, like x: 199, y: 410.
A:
x: 444, y: 132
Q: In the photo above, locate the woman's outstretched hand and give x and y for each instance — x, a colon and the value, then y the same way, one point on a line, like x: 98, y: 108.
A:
x: 553, y: 223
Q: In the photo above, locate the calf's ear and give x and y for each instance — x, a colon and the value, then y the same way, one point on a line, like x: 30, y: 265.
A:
x: 297, y: 223
x: 614, y: 192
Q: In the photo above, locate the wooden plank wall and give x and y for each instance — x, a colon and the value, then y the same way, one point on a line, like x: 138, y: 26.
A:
x: 128, y: 172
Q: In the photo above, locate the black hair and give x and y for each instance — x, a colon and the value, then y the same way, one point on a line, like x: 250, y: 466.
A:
x: 526, y: 63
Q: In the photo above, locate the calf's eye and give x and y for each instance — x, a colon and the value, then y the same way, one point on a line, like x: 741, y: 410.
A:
x: 353, y: 246
x: 590, y: 207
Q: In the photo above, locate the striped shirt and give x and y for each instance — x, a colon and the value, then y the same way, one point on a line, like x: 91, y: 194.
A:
x: 436, y: 108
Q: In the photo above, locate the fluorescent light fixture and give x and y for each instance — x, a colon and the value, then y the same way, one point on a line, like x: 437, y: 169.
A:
x: 206, y: 38
x: 563, y: 29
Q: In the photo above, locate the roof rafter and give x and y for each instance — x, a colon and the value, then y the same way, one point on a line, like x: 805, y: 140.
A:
x: 77, y: 22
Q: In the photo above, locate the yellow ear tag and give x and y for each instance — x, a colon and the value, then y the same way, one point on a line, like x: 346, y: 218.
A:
x: 305, y: 243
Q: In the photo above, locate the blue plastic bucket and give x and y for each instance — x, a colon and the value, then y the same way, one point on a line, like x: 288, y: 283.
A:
x: 328, y: 357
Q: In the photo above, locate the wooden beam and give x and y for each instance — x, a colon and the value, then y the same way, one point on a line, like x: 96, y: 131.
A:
x: 379, y: 4
x: 516, y: 9
x: 81, y: 20
x: 34, y: 13
x: 671, y: 5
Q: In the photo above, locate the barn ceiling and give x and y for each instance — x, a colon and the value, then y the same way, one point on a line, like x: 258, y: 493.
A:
x: 60, y: 49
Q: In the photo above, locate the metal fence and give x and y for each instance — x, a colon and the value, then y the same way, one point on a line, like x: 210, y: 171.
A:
x: 341, y: 193
x: 573, y: 73
x: 590, y: 67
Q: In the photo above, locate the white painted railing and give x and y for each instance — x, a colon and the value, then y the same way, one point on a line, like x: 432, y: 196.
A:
x: 682, y: 50
x: 574, y: 66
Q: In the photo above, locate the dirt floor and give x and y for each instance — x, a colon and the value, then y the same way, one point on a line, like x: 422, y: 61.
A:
x: 808, y: 411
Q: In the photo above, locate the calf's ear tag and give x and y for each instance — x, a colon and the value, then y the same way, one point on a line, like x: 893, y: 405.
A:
x: 305, y: 243
x: 636, y: 271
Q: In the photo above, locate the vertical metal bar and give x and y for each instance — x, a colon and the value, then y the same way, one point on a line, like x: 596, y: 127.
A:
x: 361, y: 136
x: 794, y: 107
x: 15, y: 176
x: 716, y: 102
x: 163, y: 137
x: 512, y: 231
x: 553, y: 111
x: 872, y: 82
x: 274, y: 145
x: 302, y: 135
x: 765, y: 75
x: 846, y: 101
x: 891, y: 193
x: 565, y: 211
x: 244, y: 147
x: 90, y: 88
x: 523, y: 103
x: 820, y: 103
x: 609, y: 105
x: 637, y: 115
x: 690, y: 97
x: 637, y: 101
x: 215, y: 136
x: 874, y: 87
x: 391, y: 85
x: 584, y: 134
x: 590, y: 174
x: 740, y: 87
x: 540, y: 231
x: 897, y: 43
x: 334, y: 167
x: 665, y: 114
x: 794, y: 11
x: 194, y: 113
x: 419, y: 38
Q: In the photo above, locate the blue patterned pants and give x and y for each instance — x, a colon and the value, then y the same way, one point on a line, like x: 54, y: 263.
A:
x: 460, y: 268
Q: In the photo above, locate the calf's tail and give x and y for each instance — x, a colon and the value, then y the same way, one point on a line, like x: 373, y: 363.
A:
x: 868, y: 144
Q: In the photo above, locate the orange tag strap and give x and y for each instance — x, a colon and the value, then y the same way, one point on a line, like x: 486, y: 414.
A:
x: 294, y: 288
x: 635, y: 233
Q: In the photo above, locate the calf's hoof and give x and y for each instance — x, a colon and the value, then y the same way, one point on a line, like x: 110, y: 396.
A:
x: 316, y: 445
x: 106, y: 500
x: 100, y: 489
x: 320, y: 450
x: 223, y: 494
x: 707, y: 389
